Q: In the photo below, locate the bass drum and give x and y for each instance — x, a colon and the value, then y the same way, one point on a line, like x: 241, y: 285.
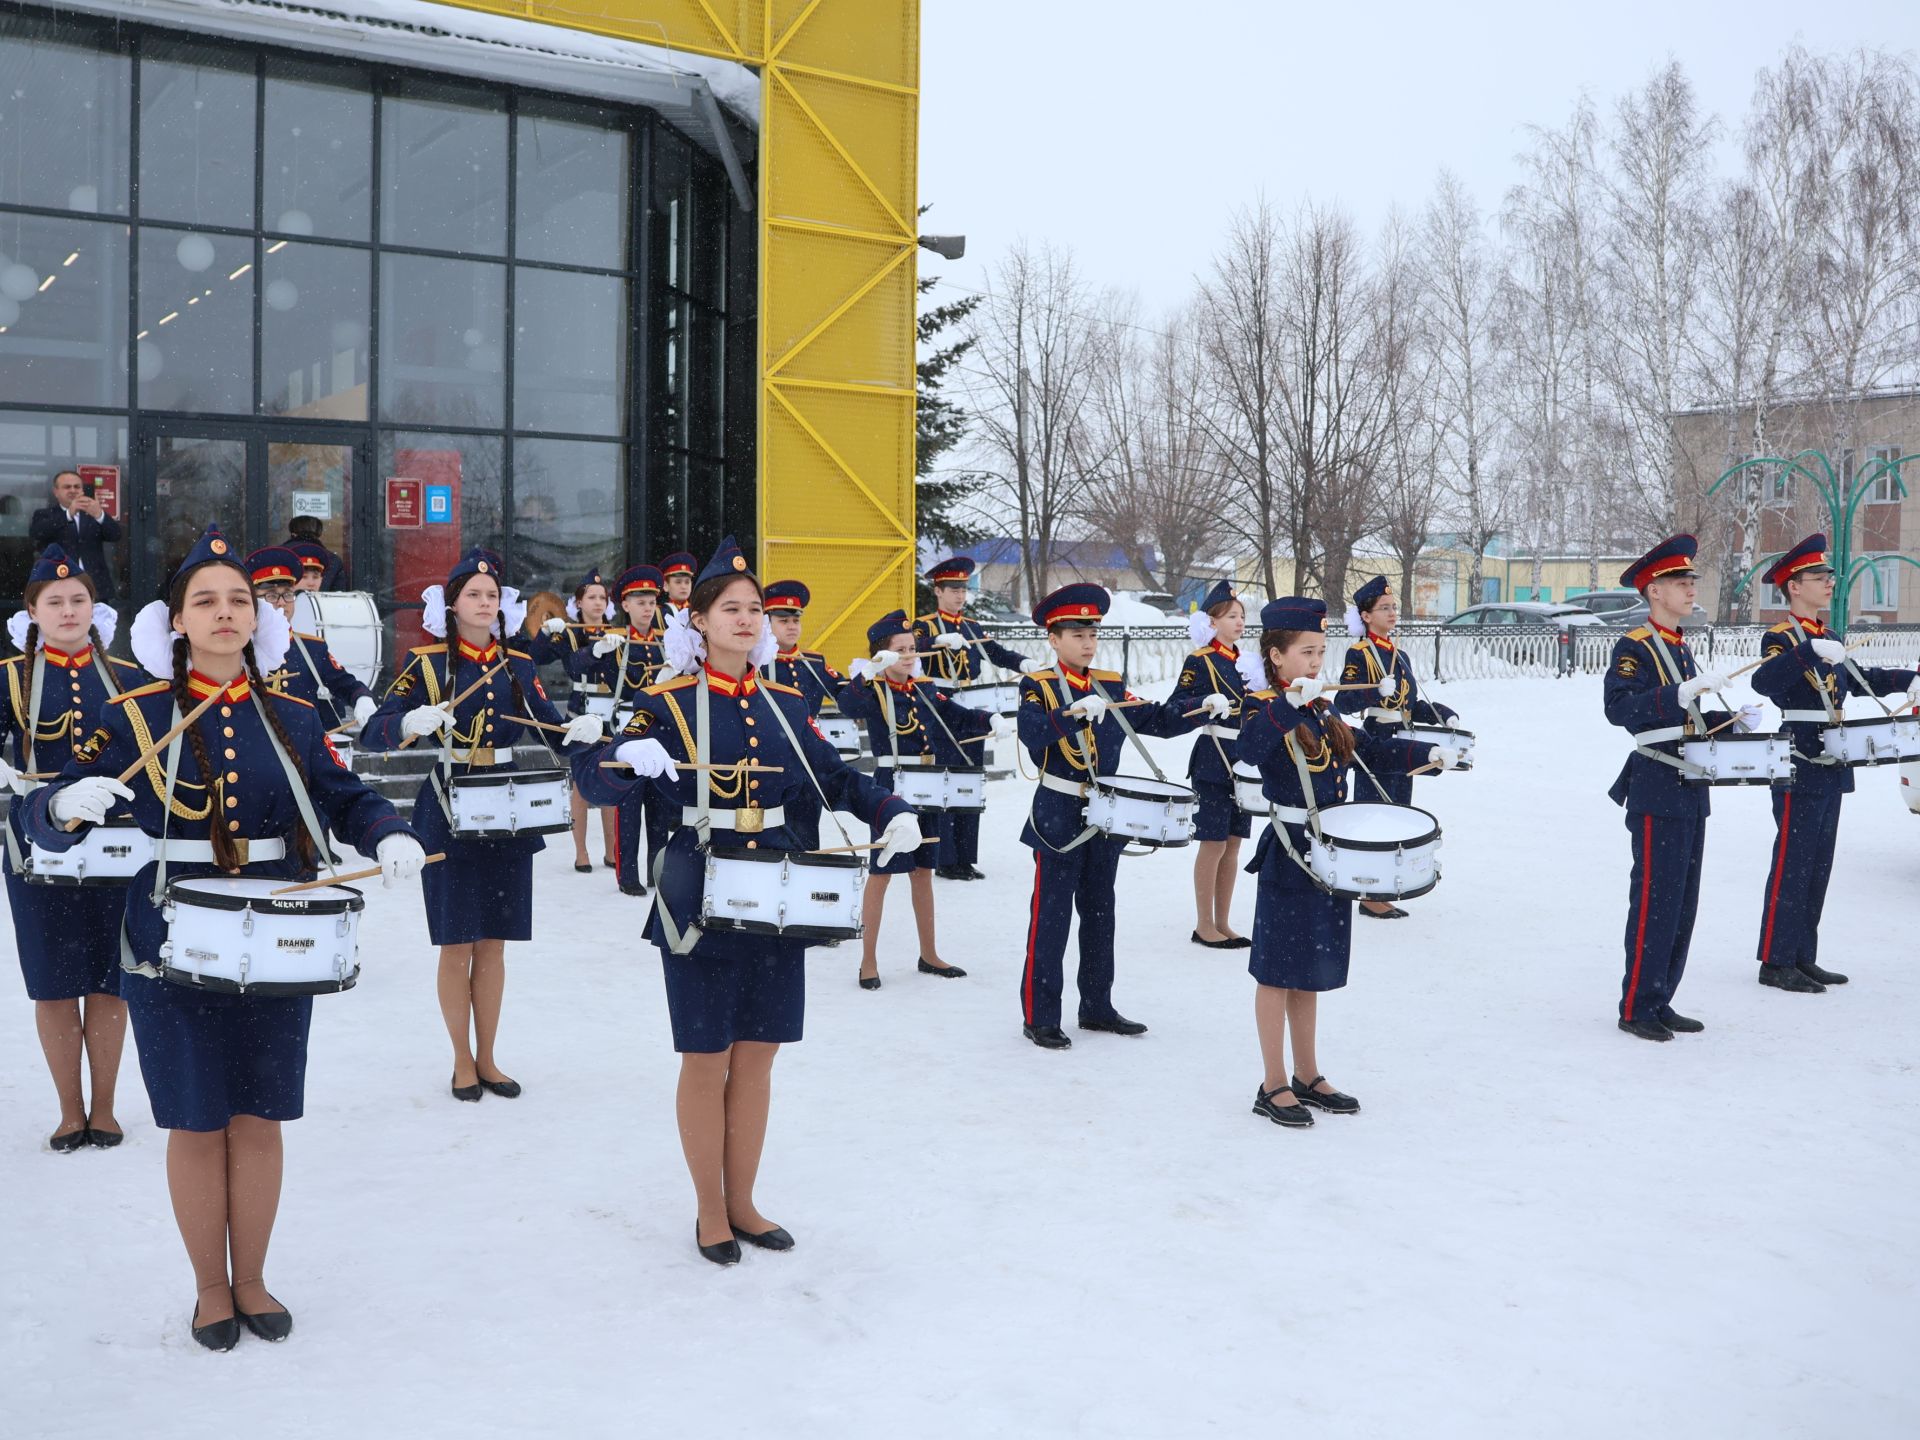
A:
x: 349, y: 622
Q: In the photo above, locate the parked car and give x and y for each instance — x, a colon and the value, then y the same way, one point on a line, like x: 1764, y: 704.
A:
x: 1605, y: 602
x: 1515, y: 614
x: 1158, y: 599
x: 1637, y: 615
x: 992, y: 607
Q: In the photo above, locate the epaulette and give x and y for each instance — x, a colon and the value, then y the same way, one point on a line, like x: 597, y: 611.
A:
x: 679, y: 682
x: 814, y: 655
x: 1044, y: 675
x: 518, y: 654
x: 1783, y: 628
x: 13, y: 660
x: 439, y: 649
x: 1196, y: 654
x: 1263, y: 695
x: 1639, y: 632
x: 155, y: 688
x: 776, y: 685
x: 123, y: 664
x: 925, y: 619
x: 1103, y: 674
x: 295, y: 699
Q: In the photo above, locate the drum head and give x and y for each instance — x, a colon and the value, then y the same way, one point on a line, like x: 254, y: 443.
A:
x: 765, y: 856
x: 1377, y: 827
x: 237, y: 892
x: 1134, y: 787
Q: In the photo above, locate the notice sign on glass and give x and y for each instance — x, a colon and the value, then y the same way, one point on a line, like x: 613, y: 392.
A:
x: 404, y: 501
x: 103, y: 483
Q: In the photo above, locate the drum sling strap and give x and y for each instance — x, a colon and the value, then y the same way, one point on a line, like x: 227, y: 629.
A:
x: 1312, y: 807
x: 30, y: 730
x: 320, y: 689
x: 1079, y: 743
x: 1694, y: 723
x: 1836, y: 714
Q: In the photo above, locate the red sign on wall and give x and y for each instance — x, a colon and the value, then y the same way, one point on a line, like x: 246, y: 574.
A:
x: 406, y: 502
x: 104, y: 482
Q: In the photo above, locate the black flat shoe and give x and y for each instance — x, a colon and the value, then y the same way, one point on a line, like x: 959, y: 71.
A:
x: 103, y: 1139
x: 1240, y: 942
x: 467, y: 1092
x: 66, y: 1144
x: 1392, y: 912
x: 1294, y: 1117
x: 774, y: 1239
x: 1680, y: 1024
x: 220, y: 1336
x: 945, y: 972
x: 1047, y: 1037
x: 273, y: 1325
x: 1115, y: 1024
x: 1789, y: 977
x: 727, y: 1252
x: 611, y: 864
x: 1331, y: 1101
x: 869, y: 982
x: 1820, y: 977
x: 583, y: 869
x: 1646, y: 1028
x: 504, y: 1088
x: 1214, y: 944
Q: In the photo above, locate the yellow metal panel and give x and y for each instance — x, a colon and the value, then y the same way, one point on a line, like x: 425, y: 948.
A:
x: 731, y: 29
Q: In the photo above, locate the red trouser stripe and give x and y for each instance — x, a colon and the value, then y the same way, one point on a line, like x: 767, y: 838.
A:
x: 1779, y: 872
x: 1640, y: 935
x: 1033, y: 934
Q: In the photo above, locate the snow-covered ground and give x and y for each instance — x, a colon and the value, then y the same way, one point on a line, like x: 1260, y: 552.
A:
x: 1537, y: 1226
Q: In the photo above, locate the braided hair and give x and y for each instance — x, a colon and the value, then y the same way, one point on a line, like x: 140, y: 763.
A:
x: 29, y: 595
x: 225, y: 853
x: 1339, y: 735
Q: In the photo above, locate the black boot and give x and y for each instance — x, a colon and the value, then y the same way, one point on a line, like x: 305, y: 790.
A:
x: 1789, y: 977
x: 1820, y: 977
x: 1114, y: 1024
x: 1646, y: 1028
x: 1331, y: 1101
x: 1294, y: 1117
x: 1678, y: 1023
x: 1047, y: 1037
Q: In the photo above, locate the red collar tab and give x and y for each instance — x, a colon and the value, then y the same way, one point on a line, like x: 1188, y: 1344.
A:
x: 1080, y: 681
x: 645, y: 637
x: 1815, y: 626
x: 1383, y: 641
x: 1227, y: 650
x: 75, y: 661
x: 1672, y: 637
x: 790, y: 656
x: 200, y: 687
x: 951, y: 619
x: 726, y: 685
x: 480, y: 657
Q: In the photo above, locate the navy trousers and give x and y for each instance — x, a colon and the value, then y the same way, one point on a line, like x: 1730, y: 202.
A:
x: 959, y: 838
x: 1807, y: 822
x: 1081, y: 879
x: 1661, y: 902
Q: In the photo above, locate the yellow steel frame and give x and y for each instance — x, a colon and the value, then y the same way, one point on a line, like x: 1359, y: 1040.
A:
x: 839, y: 201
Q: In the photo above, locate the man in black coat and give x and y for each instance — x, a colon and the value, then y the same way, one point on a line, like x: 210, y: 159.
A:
x: 78, y: 523
x: 305, y: 530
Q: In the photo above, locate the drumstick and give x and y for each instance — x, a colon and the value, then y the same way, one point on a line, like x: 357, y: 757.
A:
x: 748, y: 765
x: 843, y: 849
x: 325, y: 880
x: 157, y: 746
x: 537, y: 724
x: 1755, y: 665
x: 454, y: 704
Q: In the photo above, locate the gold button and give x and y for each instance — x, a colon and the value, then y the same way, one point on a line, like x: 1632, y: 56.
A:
x: 226, y: 712
x: 743, y: 704
x: 227, y: 730
x: 749, y: 720
x: 231, y: 755
x: 753, y: 844
x: 754, y: 741
x: 233, y: 824
x: 233, y: 777
x: 232, y: 800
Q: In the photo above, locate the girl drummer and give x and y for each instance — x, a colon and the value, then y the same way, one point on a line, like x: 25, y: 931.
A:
x: 68, y: 936
x: 1211, y: 681
x: 1301, y: 934
x: 734, y: 997
x: 911, y: 722
x: 468, y: 694
x: 567, y: 640
x: 222, y: 1070
x: 622, y: 665
x: 1392, y: 703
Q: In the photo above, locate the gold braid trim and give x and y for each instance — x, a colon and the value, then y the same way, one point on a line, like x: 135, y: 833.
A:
x: 1069, y: 745
x: 157, y: 775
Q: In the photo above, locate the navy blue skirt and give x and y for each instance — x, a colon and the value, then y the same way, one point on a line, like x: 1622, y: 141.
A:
x: 483, y: 890
x: 927, y: 857
x: 1217, y: 817
x: 207, y: 1057
x: 1302, y: 936
x: 735, y: 987
x: 68, y: 937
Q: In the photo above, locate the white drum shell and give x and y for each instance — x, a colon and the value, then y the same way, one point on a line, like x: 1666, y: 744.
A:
x: 526, y: 802
x: 1873, y: 740
x: 1369, y: 851
x: 1147, y: 812
x: 1461, y: 740
x: 601, y: 705
x: 932, y: 788
x: 798, y: 895
x: 843, y: 733
x: 290, y: 945
x: 349, y: 621
x: 1738, y: 759
x: 995, y: 698
x: 109, y: 854
x: 1247, y: 793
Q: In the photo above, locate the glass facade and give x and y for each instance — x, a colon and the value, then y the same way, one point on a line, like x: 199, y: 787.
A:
x: 240, y: 284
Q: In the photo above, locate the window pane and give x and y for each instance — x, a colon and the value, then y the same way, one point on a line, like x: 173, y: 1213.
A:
x: 706, y: 393
x: 441, y: 324
x: 65, y: 343
x: 571, y: 199
x: 707, y: 243
x: 313, y: 331
x: 443, y: 170
x: 569, y: 510
x: 194, y: 348
x: 666, y: 502
x: 319, y: 162
x: 464, y: 471
x: 570, y: 356
x: 33, y: 449
x: 196, y: 134
x: 670, y: 373
x: 63, y: 117
x: 667, y: 210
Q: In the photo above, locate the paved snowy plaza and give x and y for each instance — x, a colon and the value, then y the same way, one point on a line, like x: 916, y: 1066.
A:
x: 1538, y: 1226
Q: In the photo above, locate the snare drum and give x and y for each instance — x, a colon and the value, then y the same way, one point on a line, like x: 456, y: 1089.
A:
x: 1731, y: 759
x: 782, y: 892
x: 229, y: 933
x: 510, y: 802
x: 1375, y: 852
x: 1247, y: 792
x: 843, y: 733
x: 107, y: 854
x: 1447, y: 735
x: 1872, y: 740
x: 998, y: 697
x: 1147, y: 812
x: 935, y: 788
x: 600, y: 704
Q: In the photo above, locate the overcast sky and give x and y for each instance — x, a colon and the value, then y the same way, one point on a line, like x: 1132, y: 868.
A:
x: 1132, y: 130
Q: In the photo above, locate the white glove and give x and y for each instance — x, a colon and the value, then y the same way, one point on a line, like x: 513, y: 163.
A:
x: 948, y: 640
x: 884, y: 660
x: 1216, y: 705
x: 363, y: 709
x: 1306, y: 690
x: 584, y: 730
x: 1033, y: 667
x: 554, y: 626
x: 902, y: 834
x: 14, y: 780
x: 87, y: 799
x: 427, y: 720
x: 1445, y: 756
x: 1691, y: 690
x: 1004, y: 725
x: 400, y: 857
x: 1749, y: 718
x: 1389, y: 687
x: 1830, y: 651
x: 1090, y: 708
x: 606, y: 644
x: 648, y: 758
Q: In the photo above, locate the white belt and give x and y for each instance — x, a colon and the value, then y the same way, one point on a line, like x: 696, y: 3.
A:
x: 1375, y: 712
x: 200, y: 852
x: 1050, y: 781
x: 1290, y: 814
x: 771, y: 819
x: 885, y: 760
x: 1221, y: 732
x: 1809, y: 717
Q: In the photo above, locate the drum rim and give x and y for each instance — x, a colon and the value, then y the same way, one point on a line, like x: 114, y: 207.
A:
x: 1861, y: 722
x: 1433, y: 729
x: 1401, y: 844
x: 265, y: 988
x: 764, y: 855
x: 1739, y: 738
x: 1358, y: 895
x: 822, y: 933
x: 482, y: 779
x: 310, y: 902
x: 1108, y: 784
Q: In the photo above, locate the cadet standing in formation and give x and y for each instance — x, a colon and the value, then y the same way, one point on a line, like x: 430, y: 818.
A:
x: 622, y: 665
x: 581, y: 632
x: 952, y: 646
x: 805, y: 670
x: 222, y: 1070
x: 1807, y: 674
x: 676, y: 575
x: 67, y: 936
x: 1211, y: 680
x: 310, y: 665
